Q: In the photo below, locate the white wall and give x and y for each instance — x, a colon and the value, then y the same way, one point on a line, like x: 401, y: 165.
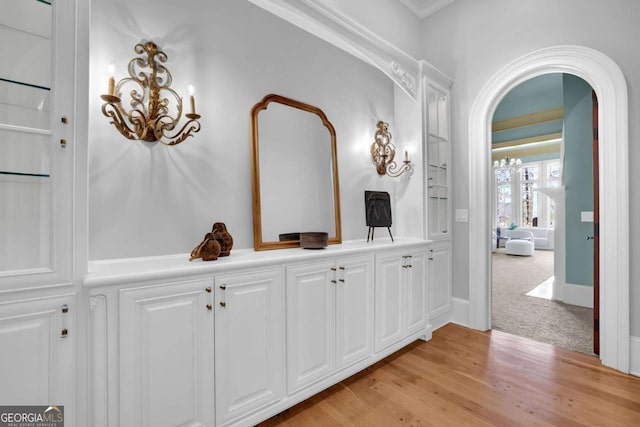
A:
x: 471, y: 41
x: 150, y: 199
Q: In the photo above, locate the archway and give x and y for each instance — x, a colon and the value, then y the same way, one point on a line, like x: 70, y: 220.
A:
x: 609, y: 84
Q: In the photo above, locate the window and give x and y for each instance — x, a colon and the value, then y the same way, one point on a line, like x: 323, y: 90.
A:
x: 553, y: 181
x: 503, y: 192
x: 531, y: 208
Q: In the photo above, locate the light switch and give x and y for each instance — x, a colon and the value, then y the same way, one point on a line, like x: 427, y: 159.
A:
x: 586, y: 216
x: 462, y: 215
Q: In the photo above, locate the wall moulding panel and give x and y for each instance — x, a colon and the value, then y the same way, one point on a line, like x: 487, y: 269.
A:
x: 336, y: 28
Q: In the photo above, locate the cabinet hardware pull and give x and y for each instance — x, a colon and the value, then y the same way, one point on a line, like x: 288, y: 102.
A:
x: 223, y: 287
x: 430, y: 259
x: 409, y: 266
x: 65, y: 332
x: 223, y: 304
x: 341, y: 268
x: 63, y: 143
x: 404, y: 266
x: 341, y: 280
x: 208, y: 290
x: 64, y: 120
x: 333, y: 269
x: 333, y: 281
x: 209, y: 307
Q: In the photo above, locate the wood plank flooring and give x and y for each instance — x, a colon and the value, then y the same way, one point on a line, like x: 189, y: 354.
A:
x: 464, y: 377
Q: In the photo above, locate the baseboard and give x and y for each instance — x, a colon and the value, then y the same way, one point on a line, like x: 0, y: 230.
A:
x: 439, y: 320
x: 577, y: 295
x: 460, y: 311
x: 634, y: 356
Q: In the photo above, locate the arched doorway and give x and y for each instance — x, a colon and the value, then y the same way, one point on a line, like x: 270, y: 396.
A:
x: 609, y: 84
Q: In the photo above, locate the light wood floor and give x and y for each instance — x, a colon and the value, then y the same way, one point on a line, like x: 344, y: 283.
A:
x: 468, y: 378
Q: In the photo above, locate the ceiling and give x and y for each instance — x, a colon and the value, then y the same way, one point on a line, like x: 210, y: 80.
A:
x: 424, y: 8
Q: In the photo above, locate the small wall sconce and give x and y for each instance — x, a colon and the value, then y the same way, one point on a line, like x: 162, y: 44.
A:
x: 383, y: 153
x: 148, y: 117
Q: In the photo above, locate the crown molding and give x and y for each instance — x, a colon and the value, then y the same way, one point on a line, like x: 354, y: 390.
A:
x: 333, y: 26
x: 424, y: 8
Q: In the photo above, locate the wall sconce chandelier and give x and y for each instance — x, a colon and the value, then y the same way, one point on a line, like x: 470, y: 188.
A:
x: 149, y: 116
x: 383, y: 153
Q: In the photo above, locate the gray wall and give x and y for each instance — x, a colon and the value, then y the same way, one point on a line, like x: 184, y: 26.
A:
x: 472, y: 40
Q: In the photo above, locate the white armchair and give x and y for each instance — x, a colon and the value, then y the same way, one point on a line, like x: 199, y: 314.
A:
x: 521, y: 242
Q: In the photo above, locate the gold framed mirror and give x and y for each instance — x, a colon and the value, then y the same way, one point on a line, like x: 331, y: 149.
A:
x: 294, y: 173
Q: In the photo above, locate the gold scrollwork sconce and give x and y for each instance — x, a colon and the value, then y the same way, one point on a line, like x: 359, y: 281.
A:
x: 149, y: 116
x: 383, y: 153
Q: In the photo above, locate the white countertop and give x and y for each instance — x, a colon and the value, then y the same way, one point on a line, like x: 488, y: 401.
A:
x: 130, y: 270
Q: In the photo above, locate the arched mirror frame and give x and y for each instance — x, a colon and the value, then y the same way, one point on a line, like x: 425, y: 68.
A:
x: 258, y: 243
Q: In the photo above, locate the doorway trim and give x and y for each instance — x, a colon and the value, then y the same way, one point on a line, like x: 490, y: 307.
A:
x: 608, y: 82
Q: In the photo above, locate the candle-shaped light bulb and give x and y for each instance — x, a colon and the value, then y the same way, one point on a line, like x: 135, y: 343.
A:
x: 112, y: 81
x: 406, y: 154
x: 191, y: 100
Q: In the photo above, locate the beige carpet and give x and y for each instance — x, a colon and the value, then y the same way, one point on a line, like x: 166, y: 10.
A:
x: 543, y: 320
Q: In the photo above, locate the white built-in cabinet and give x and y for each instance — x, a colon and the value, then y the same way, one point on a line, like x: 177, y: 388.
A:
x: 439, y: 282
x: 437, y: 149
x: 437, y: 162
x: 400, y: 297
x: 329, y: 318
x: 37, y: 351
x: 38, y: 333
x: 36, y: 144
x: 166, y: 354
x: 249, y: 342
x: 247, y: 337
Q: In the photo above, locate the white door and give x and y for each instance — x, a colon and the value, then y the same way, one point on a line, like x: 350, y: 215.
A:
x: 37, y: 353
x: 354, y: 310
x: 249, y: 342
x: 415, y: 274
x: 166, y: 355
x: 389, y: 300
x: 439, y: 280
x: 310, y: 323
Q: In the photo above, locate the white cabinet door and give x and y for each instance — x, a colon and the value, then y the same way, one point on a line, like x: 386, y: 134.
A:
x: 166, y: 355
x: 311, y: 292
x: 249, y: 350
x: 415, y: 273
x: 400, y: 306
x: 389, y: 300
x: 439, y: 280
x: 37, y: 353
x: 354, y: 310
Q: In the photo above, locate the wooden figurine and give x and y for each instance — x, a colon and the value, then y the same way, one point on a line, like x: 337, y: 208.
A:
x: 208, y: 249
x: 223, y: 237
